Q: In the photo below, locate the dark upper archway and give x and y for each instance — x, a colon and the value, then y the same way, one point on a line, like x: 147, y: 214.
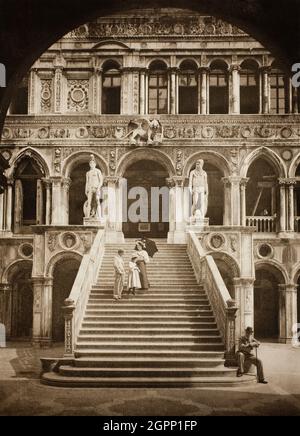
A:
x: 29, y: 27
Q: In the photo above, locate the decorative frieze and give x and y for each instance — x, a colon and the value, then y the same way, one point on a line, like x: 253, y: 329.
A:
x: 78, y: 95
x: 46, y: 95
x: 123, y: 129
x: 179, y: 25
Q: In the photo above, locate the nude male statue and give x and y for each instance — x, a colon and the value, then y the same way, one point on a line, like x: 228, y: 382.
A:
x: 94, y: 183
x: 199, y: 189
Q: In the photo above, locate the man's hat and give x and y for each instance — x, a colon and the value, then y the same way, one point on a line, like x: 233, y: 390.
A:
x: 249, y: 330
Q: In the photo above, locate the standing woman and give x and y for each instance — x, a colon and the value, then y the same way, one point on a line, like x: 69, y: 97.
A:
x: 142, y: 261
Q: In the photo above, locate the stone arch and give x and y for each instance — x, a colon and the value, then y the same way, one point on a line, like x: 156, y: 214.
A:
x: 32, y: 154
x: 271, y: 264
x: 113, y: 42
x: 145, y: 154
x: 60, y: 257
x: 158, y: 60
x: 229, y: 269
x: 294, y: 166
x: 83, y: 156
x: 212, y: 157
x: 253, y: 60
x: 218, y: 60
x: 12, y: 268
x: 190, y: 59
x: 295, y: 274
x: 270, y: 156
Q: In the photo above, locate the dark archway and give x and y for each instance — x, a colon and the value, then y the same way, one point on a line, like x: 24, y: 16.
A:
x: 147, y: 175
x: 266, y: 301
x: 21, y: 301
x: 64, y: 275
x: 29, y: 28
x: 77, y: 195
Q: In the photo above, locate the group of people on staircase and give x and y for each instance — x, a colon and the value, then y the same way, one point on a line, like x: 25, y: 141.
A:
x: 137, y: 270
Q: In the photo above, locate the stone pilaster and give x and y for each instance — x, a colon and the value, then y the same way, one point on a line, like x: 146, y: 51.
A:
x: 173, y: 90
x: 204, y: 90
x: 142, y: 92
x: 48, y: 184
x: 232, y: 183
x: 265, y: 104
x: 244, y: 297
x: 9, y: 204
x: 235, y: 104
x: 177, y: 208
x: 42, y: 311
x: 288, y: 311
x: 97, y: 90
x: 114, y: 231
x: 59, y: 65
x: 57, y: 206
x: 5, y: 307
x: 66, y: 184
x: 243, y: 186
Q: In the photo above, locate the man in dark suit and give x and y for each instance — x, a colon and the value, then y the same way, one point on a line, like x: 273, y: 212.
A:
x: 245, y: 354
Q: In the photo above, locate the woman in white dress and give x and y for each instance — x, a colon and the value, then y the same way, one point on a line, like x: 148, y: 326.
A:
x: 142, y: 261
x: 134, y: 281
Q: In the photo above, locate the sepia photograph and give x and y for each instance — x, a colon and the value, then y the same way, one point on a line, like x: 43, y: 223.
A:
x: 149, y: 211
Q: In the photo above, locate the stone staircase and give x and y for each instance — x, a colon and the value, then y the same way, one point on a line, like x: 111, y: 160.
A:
x: 164, y: 337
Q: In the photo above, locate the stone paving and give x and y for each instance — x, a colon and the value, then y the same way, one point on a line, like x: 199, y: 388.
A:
x: 22, y: 394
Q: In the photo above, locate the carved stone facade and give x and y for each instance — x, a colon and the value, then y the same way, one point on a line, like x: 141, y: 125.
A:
x: 71, y: 116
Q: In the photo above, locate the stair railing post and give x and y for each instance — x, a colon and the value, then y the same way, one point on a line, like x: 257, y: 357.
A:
x: 69, y: 310
x: 230, y: 351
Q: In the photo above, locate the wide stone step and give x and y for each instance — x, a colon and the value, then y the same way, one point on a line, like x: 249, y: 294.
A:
x: 148, y: 354
x: 152, y: 318
x: 53, y: 379
x: 88, y: 333
x: 152, y: 297
x: 152, y: 362
x: 151, y: 344
x: 188, y: 339
x: 123, y: 324
x: 134, y: 304
x: 123, y: 311
x: 69, y: 371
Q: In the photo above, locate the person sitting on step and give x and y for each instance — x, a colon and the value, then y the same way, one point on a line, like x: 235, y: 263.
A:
x: 245, y: 355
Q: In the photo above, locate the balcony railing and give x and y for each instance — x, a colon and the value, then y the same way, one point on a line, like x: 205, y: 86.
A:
x: 263, y: 224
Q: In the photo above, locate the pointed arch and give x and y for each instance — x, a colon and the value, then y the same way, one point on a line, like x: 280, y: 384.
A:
x: 60, y: 257
x: 270, y: 156
x: 31, y: 154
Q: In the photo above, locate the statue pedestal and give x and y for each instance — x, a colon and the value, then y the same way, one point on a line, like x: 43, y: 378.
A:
x: 197, y: 225
x: 94, y: 222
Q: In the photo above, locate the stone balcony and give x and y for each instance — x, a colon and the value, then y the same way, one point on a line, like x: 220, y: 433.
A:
x: 204, y: 130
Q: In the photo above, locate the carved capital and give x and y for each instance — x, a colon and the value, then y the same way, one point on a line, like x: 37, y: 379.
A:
x: 234, y: 67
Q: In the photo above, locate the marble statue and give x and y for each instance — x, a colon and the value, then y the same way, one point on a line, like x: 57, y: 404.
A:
x: 199, y: 190
x: 94, y: 183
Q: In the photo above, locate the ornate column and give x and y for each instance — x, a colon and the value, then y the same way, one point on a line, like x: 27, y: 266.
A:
x: 282, y: 223
x: 33, y: 91
x: 235, y: 105
x: 287, y: 311
x: 42, y: 310
x: 235, y: 212
x: 114, y: 204
x: 172, y: 210
x: 265, y: 71
x: 230, y: 340
x: 66, y: 184
x: 5, y: 307
x: 57, y: 217
x: 291, y: 204
x: 243, y: 201
x: 142, y: 91
x: 97, y: 90
x: 227, y: 201
x: 69, y: 309
x: 9, y: 195
x: 173, y: 90
x: 59, y: 65
x: 244, y: 297
x: 204, y: 100
x: 48, y: 184
x: 179, y: 225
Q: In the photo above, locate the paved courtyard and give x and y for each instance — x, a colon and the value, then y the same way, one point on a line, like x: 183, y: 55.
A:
x: 22, y: 394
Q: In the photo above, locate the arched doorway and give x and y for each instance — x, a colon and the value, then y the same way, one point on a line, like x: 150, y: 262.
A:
x: 228, y: 270
x: 262, y: 200
x: 147, y: 212
x: 77, y: 196
x: 21, y: 302
x: 266, y: 301
x: 64, y: 275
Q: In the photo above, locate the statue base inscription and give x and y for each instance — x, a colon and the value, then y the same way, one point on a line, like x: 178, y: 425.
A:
x: 197, y: 225
x: 93, y: 222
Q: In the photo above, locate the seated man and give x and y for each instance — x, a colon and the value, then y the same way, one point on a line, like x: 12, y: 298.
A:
x: 245, y: 355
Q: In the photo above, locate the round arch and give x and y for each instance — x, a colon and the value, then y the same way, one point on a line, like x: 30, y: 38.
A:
x: 145, y: 154
x: 61, y: 257
x: 32, y: 154
x: 218, y: 61
x: 81, y: 157
x: 157, y: 60
x: 13, y: 268
x: 210, y: 157
x: 230, y: 262
x: 253, y: 61
x: 189, y: 60
x: 270, y: 156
